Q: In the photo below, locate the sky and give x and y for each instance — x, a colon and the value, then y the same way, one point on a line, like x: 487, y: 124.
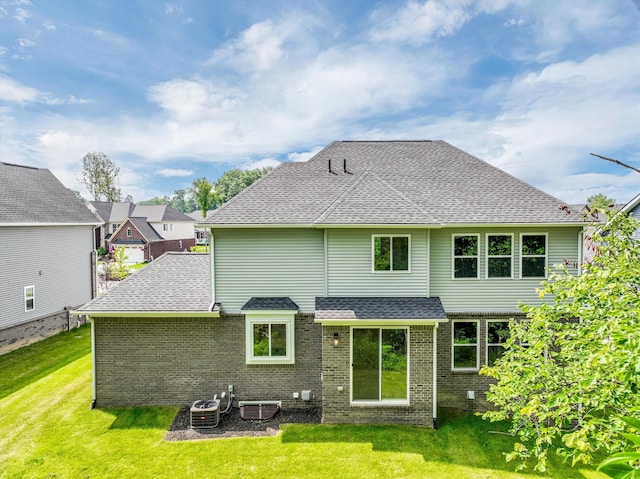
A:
x: 173, y: 91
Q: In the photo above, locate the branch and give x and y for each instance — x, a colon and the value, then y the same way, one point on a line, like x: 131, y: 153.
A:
x: 616, y: 162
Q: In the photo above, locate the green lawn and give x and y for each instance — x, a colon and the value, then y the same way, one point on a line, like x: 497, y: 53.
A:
x: 47, y: 430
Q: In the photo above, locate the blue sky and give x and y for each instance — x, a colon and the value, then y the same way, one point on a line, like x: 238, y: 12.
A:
x: 172, y: 91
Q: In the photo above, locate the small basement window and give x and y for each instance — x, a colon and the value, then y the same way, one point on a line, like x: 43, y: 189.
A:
x: 29, y: 298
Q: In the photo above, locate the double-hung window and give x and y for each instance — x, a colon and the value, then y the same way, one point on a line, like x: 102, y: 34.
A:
x: 465, y: 256
x: 465, y: 345
x: 533, y: 257
x: 391, y: 252
x: 379, y: 365
x: 270, y: 338
x: 29, y: 298
x: 499, y: 256
x: 114, y: 227
x: 128, y: 232
x: 497, y: 334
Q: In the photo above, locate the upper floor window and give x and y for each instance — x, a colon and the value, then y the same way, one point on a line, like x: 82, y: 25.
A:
x: 29, y: 298
x: 465, y: 345
x: 270, y: 339
x: 391, y: 252
x: 465, y: 256
x: 114, y: 227
x: 129, y: 232
x: 533, y: 259
x: 167, y: 227
x: 379, y: 366
x: 499, y: 256
x: 497, y: 334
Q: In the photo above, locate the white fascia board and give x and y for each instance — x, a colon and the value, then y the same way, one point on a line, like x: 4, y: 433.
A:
x: 268, y: 312
x: 50, y: 224
x: 147, y: 314
x: 381, y: 322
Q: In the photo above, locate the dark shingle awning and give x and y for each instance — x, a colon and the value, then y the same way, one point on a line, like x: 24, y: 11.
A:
x: 270, y: 304
x: 380, y: 309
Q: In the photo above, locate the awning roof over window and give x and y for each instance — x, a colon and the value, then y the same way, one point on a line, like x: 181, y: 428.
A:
x: 379, y: 309
x: 270, y: 304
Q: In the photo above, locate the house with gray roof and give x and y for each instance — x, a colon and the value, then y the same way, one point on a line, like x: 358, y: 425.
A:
x: 372, y: 281
x: 46, y: 253
x: 144, y: 231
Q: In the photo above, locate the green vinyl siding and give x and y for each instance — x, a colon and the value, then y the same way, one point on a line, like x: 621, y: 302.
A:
x: 268, y: 263
x: 350, y: 268
x: 494, y: 294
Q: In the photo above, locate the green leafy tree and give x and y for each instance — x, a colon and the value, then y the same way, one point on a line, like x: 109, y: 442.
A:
x: 157, y: 200
x: 600, y: 202
x: 100, y: 176
x: 117, y: 268
x: 234, y: 181
x: 625, y: 465
x: 573, y: 367
x: 204, y: 195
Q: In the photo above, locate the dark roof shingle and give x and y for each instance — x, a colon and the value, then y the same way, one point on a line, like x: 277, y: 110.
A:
x: 390, y: 182
x: 379, y: 308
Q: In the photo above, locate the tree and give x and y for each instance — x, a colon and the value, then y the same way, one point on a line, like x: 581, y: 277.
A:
x: 100, y: 176
x: 601, y: 202
x: 234, y: 181
x: 204, y: 195
x: 572, y: 369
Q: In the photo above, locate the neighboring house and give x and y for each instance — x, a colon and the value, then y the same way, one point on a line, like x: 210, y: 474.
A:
x: 202, y: 233
x: 145, y: 231
x: 633, y: 209
x: 47, y: 265
x: 372, y: 281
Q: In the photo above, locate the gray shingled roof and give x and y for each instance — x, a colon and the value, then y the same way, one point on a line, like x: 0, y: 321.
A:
x: 270, y: 304
x: 390, y: 182
x: 34, y: 195
x: 175, y: 282
x: 145, y: 229
x: 117, y: 212
x: 379, y: 308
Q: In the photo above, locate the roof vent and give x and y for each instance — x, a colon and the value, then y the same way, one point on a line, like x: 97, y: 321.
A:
x: 329, y: 171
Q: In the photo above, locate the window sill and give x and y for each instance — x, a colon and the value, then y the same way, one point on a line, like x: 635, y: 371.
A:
x: 367, y: 404
x: 465, y: 371
x: 253, y: 362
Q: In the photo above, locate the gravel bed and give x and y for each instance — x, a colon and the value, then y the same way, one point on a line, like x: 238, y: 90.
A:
x: 232, y: 425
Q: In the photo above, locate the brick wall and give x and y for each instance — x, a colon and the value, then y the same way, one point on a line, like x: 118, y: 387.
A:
x: 33, y: 331
x: 158, y: 248
x: 453, y: 386
x: 336, y: 371
x: 175, y: 361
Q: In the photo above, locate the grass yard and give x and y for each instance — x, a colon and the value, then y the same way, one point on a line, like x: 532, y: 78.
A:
x: 48, y: 431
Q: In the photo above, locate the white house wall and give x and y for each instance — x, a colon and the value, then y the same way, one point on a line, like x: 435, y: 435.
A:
x: 176, y: 231
x: 54, y: 259
x: 349, y: 265
x: 269, y: 263
x: 495, y: 295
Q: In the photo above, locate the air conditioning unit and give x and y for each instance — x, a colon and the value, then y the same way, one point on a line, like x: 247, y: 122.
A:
x: 205, y: 413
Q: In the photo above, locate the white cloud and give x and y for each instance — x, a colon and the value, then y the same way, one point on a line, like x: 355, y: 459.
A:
x: 305, y: 155
x: 170, y: 172
x: 22, y: 15
x: 264, y: 163
x: 418, y: 23
x: 49, y: 26
x: 170, y: 8
x: 11, y: 90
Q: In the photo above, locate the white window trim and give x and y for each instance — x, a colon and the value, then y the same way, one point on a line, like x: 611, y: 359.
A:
x: 114, y: 227
x: 373, y: 253
x: 33, y: 297
x: 486, y: 349
x: 270, y: 317
x: 167, y: 226
x: 380, y: 402
x: 486, y: 248
x: 129, y: 233
x: 477, y: 345
x: 546, y: 254
x: 453, y: 256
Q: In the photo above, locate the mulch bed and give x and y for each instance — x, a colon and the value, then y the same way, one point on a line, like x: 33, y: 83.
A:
x: 232, y: 425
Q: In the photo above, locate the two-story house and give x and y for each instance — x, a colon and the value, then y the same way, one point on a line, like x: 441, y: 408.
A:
x: 144, y: 231
x: 372, y: 281
x: 47, y: 265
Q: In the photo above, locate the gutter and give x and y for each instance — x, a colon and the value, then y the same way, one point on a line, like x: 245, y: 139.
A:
x: 434, y: 398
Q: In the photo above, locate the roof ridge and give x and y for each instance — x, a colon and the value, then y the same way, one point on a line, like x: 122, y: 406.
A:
x: 340, y: 198
x: 409, y: 200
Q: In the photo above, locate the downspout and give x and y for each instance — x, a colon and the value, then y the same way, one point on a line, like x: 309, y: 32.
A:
x: 435, y: 376
x: 212, y: 269
x: 93, y: 363
x: 326, y: 265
